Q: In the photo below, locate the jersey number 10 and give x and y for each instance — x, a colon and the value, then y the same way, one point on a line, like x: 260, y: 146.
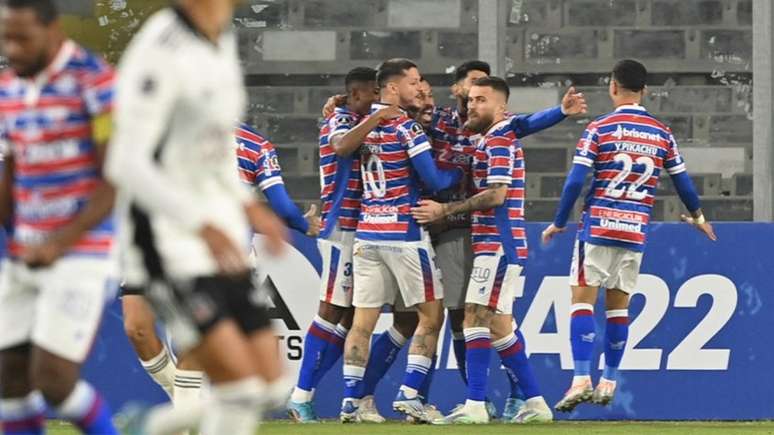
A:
x: 374, y: 180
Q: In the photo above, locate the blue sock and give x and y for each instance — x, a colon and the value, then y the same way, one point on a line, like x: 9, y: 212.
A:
x: 582, y: 335
x: 478, y: 346
x: 23, y: 416
x: 458, y: 343
x: 512, y: 350
x: 332, y: 353
x: 417, y: 368
x: 424, y: 390
x: 384, y: 350
x: 85, y: 408
x: 616, y: 333
x: 318, y: 338
x: 353, y: 381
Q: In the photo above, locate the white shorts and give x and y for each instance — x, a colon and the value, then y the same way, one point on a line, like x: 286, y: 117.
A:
x: 604, y: 266
x: 494, y: 282
x: 336, y: 276
x: 454, y: 251
x: 382, y: 269
x: 58, y: 308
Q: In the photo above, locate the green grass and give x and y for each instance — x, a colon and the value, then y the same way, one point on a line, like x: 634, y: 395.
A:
x: 559, y: 428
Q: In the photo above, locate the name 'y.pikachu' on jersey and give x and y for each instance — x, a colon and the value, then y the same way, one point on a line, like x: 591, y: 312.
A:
x: 627, y: 150
x: 499, y: 159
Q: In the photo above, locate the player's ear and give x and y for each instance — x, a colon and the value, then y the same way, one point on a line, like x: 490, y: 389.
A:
x: 455, y: 89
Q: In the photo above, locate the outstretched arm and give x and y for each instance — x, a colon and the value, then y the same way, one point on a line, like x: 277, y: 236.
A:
x: 573, y: 103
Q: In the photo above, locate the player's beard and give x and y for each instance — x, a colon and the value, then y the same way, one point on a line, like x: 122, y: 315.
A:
x: 31, y: 69
x: 477, y: 123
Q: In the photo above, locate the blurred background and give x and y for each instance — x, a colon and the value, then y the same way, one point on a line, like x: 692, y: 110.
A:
x: 699, y: 53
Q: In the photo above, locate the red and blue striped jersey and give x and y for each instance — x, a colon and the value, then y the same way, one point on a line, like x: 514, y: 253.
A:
x: 627, y: 149
x: 499, y: 159
x: 257, y: 159
x: 340, y: 185
x: 391, y: 186
x: 47, y: 126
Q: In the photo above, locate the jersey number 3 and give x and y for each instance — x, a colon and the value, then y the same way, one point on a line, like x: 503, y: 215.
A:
x: 614, y: 188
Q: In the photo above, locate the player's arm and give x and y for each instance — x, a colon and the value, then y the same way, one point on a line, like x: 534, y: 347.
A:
x: 280, y: 203
x: 573, y: 103
x: 433, y: 179
x: 99, y: 100
x: 500, y: 161
x: 6, y: 189
x: 347, y: 143
x: 675, y: 167
x: 585, y: 155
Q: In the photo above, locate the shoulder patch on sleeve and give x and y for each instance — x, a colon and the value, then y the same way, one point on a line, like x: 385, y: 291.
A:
x: 416, y: 128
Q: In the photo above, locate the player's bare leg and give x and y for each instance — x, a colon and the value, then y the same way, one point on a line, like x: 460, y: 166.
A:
x: 356, y: 349
x: 582, y: 337
x: 616, y: 334
x: 140, y: 328
x: 268, y: 364
x: 16, y: 387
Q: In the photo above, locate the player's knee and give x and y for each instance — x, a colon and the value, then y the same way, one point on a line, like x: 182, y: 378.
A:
x: 405, y: 323
x: 330, y: 313
x: 346, y: 318
x: 137, y: 332
x: 54, y: 380
x: 616, y: 300
x: 477, y: 316
x: 14, y: 371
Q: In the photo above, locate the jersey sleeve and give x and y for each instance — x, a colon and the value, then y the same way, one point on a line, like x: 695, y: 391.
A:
x: 500, y: 160
x: 268, y: 171
x: 674, y: 163
x: 340, y: 124
x: 98, y: 90
x: 413, y: 138
x: 588, y: 147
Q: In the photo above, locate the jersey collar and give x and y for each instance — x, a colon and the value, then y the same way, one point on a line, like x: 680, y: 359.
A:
x: 35, y: 85
x: 378, y: 105
x: 630, y: 107
x: 184, y: 18
x: 498, y: 126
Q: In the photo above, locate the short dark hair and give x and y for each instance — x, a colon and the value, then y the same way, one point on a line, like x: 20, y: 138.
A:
x: 392, y: 68
x: 471, y: 65
x: 630, y: 74
x: 46, y: 10
x: 359, y: 74
x: 495, y: 83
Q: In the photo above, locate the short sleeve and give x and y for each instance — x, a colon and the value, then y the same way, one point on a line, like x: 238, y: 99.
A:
x: 588, y: 147
x: 500, y: 161
x: 98, y: 89
x: 413, y: 138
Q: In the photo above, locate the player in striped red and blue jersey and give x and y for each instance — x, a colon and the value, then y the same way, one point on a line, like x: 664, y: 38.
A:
x: 500, y: 250
x: 340, y: 194
x: 626, y: 150
x: 392, y: 252
x: 55, y: 106
x: 259, y: 167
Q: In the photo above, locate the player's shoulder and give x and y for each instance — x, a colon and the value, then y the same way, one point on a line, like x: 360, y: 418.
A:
x: 406, y: 123
x: 163, y: 33
x: 252, y: 140
x: 89, y: 66
x: 343, y: 117
x: 501, y: 133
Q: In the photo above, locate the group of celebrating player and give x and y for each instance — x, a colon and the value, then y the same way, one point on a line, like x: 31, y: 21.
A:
x: 411, y: 194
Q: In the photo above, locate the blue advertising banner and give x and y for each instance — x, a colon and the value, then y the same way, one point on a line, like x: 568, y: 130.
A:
x: 698, y: 346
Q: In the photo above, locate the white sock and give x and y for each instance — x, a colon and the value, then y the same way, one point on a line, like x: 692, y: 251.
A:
x: 576, y: 380
x: 233, y: 409
x: 162, y: 369
x: 166, y: 419
x: 277, y: 393
x: 188, y: 387
x: 301, y: 396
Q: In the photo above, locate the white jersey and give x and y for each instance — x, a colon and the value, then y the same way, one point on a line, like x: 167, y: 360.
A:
x: 172, y: 155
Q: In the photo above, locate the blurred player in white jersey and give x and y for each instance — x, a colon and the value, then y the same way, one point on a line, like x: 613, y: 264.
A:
x: 626, y: 150
x: 55, y: 106
x: 179, y: 91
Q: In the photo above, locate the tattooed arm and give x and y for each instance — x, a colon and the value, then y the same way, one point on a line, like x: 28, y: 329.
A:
x: 430, y: 211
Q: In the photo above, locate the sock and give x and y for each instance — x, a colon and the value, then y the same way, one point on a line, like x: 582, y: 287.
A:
x: 417, y: 368
x: 512, y: 350
x: 616, y: 333
x: 332, y: 354
x: 384, y: 350
x: 458, y: 344
x: 23, y: 416
x: 167, y: 419
x: 233, y: 408
x: 188, y: 388
x: 582, y: 335
x: 477, y: 349
x: 85, y: 408
x: 353, y: 381
x: 318, y: 338
x: 424, y: 390
x: 162, y: 369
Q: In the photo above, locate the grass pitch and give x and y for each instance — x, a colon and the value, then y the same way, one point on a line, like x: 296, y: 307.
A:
x: 558, y: 428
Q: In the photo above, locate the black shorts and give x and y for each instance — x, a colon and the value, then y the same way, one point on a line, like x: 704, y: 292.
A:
x: 191, y: 309
x: 131, y: 290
